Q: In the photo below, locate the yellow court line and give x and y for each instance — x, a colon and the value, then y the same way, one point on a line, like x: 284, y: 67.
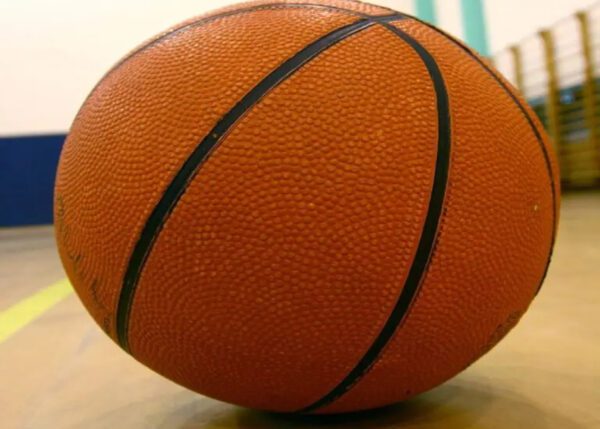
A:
x: 26, y: 311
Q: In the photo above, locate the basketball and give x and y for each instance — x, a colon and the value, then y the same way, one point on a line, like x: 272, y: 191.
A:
x: 306, y: 206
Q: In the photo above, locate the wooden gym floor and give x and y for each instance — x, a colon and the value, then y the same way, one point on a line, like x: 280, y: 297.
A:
x: 59, y: 371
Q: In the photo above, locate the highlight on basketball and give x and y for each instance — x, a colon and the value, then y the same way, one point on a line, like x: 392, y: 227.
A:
x: 300, y: 213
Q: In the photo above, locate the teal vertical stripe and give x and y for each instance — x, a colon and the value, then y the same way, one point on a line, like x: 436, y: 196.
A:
x: 426, y: 10
x: 475, y: 25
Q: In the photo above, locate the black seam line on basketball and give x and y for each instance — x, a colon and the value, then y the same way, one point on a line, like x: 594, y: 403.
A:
x: 387, y: 18
x: 257, y: 8
x: 428, y: 237
x: 190, y: 167
x: 533, y: 127
x: 540, y: 140
x: 202, y: 21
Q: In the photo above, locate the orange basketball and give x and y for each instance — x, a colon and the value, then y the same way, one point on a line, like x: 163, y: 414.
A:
x: 306, y: 206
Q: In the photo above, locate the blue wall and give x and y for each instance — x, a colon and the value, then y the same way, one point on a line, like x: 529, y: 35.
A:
x: 27, y: 172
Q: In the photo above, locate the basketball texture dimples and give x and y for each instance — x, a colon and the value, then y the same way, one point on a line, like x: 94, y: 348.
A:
x: 287, y: 268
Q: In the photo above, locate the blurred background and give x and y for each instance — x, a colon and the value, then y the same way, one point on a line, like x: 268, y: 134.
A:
x: 52, y: 54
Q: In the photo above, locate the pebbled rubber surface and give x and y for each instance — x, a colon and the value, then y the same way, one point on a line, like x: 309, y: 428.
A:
x: 302, y: 240
x: 141, y: 123
x: 282, y: 260
x: 200, y: 154
x: 493, y: 244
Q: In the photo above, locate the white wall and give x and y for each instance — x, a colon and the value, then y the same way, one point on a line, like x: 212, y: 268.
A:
x: 53, y: 52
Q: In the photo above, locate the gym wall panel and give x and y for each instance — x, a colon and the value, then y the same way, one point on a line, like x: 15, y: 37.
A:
x: 27, y: 173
